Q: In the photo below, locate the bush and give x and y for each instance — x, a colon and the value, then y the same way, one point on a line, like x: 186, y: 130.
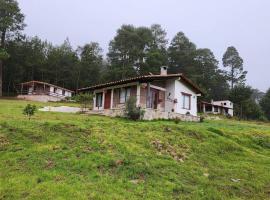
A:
x: 202, y: 119
x: 86, y: 100
x: 29, y: 110
x: 132, y: 111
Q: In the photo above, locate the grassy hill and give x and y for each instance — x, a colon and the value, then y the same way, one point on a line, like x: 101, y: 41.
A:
x: 72, y: 156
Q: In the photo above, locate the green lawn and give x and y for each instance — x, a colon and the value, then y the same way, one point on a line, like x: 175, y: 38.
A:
x: 72, y: 156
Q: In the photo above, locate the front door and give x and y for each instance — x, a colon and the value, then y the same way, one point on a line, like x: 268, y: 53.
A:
x: 107, y: 103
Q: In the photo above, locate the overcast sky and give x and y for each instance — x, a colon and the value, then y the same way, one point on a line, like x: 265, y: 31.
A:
x: 213, y: 24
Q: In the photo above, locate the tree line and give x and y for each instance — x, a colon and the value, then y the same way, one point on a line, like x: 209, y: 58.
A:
x: 133, y: 51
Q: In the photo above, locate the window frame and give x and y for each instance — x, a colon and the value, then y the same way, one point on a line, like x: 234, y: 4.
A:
x: 184, y: 97
x: 124, y: 94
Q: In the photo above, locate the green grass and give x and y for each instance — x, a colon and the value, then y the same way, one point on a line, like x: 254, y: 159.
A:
x: 72, y: 156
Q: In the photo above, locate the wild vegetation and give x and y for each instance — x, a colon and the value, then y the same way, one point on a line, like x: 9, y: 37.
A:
x: 132, y: 111
x: 133, y: 51
x: 73, y: 156
x: 85, y: 100
x: 29, y: 110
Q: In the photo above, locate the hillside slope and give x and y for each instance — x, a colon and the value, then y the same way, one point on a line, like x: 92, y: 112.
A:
x: 72, y: 156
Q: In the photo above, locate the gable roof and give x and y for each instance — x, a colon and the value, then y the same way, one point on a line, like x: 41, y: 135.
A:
x: 145, y: 78
x: 44, y: 83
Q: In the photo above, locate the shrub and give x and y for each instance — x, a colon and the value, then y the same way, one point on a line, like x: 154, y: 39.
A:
x: 29, y: 110
x: 86, y: 100
x: 202, y: 119
x: 177, y: 120
x: 132, y: 111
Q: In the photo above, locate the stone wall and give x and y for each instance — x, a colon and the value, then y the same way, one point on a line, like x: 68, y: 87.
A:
x: 40, y: 98
x: 150, y: 114
x: 114, y: 112
x: 189, y: 118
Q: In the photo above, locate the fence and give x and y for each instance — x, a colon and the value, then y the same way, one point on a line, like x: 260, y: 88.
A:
x: 27, y: 92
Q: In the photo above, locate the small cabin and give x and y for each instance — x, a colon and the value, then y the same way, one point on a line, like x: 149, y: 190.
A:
x: 43, y: 92
x: 224, y: 107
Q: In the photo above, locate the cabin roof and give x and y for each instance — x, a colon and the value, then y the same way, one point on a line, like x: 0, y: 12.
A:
x: 145, y: 78
x: 44, y: 83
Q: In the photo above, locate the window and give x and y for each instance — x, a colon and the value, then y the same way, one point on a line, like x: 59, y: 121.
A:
x: 124, y: 94
x: 63, y: 92
x: 186, y: 101
x: 99, y: 98
x: 216, y: 109
x: 54, y: 90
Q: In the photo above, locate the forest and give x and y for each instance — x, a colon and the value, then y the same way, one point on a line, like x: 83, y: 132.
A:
x: 133, y: 51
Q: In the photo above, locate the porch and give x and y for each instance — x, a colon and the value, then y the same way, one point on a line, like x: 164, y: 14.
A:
x: 148, y: 96
x: 210, y: 108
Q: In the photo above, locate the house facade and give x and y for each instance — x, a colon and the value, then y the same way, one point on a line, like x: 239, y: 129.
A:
x: 43, y: 92
x: 224, y: 107
x: 161, y: 96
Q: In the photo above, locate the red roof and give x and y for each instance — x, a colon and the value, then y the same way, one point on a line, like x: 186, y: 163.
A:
x: 143, y: 79
x: 44, y: 83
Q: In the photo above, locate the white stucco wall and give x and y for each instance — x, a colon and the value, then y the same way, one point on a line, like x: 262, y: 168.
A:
x: 68, y: 94
x: 59, y: 92
x: 51, y: 89
x: 179, y: 88
x: 227, y: 104
x: 174, y: 89
x: 170, y: 95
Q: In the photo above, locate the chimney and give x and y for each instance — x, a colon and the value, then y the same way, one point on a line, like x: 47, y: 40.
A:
x: 163, y: 70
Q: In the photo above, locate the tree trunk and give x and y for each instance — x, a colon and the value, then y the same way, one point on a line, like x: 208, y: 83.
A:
x: 1, y: 78
x: 232, y: 78
x: 3, y: 37
x: 8, y: 88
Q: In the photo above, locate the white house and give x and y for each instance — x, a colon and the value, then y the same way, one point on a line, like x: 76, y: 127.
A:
x: 161, y: 96
x: 44, y: 92
x: 224, y: 107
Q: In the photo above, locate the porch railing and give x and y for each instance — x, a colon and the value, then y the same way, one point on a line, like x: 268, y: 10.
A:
x: 26, y: 92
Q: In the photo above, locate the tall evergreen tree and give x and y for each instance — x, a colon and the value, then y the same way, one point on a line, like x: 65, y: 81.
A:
x: 234, y: 62
x: 136, y: 51
x: 123, y: 52
x: 61, y: 65
x: 157, y: 54
x: 208, y: 76
x: 91, y: 65
x: 244, y: 106
x: 265, y: 104
x: 181, y: 54
x: 27, y: 59
x: 11, y: 21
